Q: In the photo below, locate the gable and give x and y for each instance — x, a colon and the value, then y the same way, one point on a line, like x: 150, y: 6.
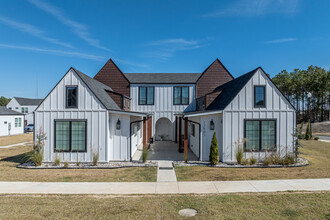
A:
x: 215, y: 75
x: 244, y: 100
x: 55, y: 100
x: 12, y: 103
x: 113, y: 77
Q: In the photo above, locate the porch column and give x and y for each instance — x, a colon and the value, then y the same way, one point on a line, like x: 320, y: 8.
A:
x: 144, y: 139
x: 149, y: 129
x: 185, y: 139
x: 176, y: 129
x: 180, y: 132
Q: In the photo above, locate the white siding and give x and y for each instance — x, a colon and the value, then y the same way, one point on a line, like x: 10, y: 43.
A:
x: 5, y: 120
x: 242, y: 107
x: 163, y: 103
x: 89, y: 108
x: 14, y: 105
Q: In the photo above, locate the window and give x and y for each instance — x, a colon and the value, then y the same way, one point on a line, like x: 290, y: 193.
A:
x: 16, y: 107
x: 259, y: 96
x: 24, y: 110
x: 260, y: 135
x: 71, y: 97
x: 9, y: 108
x: 181, y: 95
x: 70, y: 135
x: 146, y: 95
x: 18, y: 122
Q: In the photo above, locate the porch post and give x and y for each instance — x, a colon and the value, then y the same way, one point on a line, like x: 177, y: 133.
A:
x: 185, y: 139
x: 176, y: 129
x: 144, y: 139
x: 180, y: 132
x: 149, y: 129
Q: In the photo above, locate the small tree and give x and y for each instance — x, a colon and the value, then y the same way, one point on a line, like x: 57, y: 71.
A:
x: 297, y: 145
x: 308, y: 132
x: 214, y: 152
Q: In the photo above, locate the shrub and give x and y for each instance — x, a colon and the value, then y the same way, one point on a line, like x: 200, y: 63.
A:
x: 57, y: 161
x: 144, y: 154
x: 214, y: 152
x: 245, y: 161
x: 288, y: 160
x: 308, y: 132
x: 36, y: 157
x: 239, y: 155
x: 316, y: 138
x: 78, y: 163
x: 66, y: 164
x: 253, y: 160
x: 95, y: 158
x: 272, y: 159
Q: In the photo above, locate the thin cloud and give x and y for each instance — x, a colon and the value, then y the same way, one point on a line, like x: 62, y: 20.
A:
x: 256, y: 8
x: 32, y: 30
x: 79, y: 29
x: 166, y: 48
x: 55, y: 52
x: 283, y: 40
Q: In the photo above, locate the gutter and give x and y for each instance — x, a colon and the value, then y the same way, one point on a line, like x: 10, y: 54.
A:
x: 202, y: 113
x: 199, y: 136
x: 129, y: 113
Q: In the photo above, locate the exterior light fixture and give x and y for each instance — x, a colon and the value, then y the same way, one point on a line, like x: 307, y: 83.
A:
x: 118, y: 125
x: 211, y: 125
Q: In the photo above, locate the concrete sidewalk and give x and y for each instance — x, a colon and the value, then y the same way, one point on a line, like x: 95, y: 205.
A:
x: 164, y: 187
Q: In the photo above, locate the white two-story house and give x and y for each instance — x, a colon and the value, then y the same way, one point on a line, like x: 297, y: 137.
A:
x: 115, y: 113
x: 26, y: 106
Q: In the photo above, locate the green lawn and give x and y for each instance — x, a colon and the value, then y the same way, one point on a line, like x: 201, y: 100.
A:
x: 317, y: 153
x: 11, y: 157
x: 239, y: 206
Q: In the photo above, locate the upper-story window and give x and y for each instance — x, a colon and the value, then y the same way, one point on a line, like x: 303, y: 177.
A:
x: 146, y: 95
x: 71, y: 96
x: 259, y: 97
x: 24, y: 110
x: 181, y: 95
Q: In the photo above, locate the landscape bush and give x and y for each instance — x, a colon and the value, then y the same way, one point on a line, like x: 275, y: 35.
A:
x: 316, y: 138
x: 244, y: 161
x: 57, y: 161
x: 308, y: 132
x: 253, y: 160
x: 95, y: 158
x: 214, y: 151
x: 66, y: 164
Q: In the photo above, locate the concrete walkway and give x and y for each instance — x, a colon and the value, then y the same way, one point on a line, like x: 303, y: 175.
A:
x: 166, y: 172
x: 167, y: 150
x: 13, y: 145
x: 122, y: 188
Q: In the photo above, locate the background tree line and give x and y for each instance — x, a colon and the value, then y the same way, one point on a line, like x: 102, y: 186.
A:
x: 4, y: 101
x: 296, y: 86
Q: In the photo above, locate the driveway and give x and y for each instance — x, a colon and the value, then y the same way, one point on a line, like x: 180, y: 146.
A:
x: 168, y: 150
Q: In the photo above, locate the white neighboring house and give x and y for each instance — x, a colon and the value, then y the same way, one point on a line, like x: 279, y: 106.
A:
x: 25, y: 106
x: 11, y: 122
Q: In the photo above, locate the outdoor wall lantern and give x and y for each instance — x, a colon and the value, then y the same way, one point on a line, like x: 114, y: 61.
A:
x: 211, y: 125
x: 118, y: 125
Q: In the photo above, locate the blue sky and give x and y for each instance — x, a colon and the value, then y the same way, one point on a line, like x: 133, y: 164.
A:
x: 43, y: 39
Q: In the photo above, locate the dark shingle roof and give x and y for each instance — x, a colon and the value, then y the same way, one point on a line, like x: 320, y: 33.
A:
x: 99, y: 90
x: 27, y: 101
x: 6, y: 111
x: 162, y: 78
x: 229, y: 91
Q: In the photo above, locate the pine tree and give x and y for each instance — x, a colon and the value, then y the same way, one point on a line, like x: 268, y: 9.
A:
x: 214, y: 152
x: 308, y: 132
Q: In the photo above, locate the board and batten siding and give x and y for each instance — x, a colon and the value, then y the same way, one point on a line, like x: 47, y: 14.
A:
x: 242, y: 107
x: 89, y: 108
x: 5, y: 120
x: 163, y: 103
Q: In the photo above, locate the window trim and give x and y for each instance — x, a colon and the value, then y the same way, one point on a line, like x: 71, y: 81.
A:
x: 153, y: 100
x: 254, y: 96
x: 66, y: 96
x: 70, y: 135
x: 260, y: 133
x: 181, y: 94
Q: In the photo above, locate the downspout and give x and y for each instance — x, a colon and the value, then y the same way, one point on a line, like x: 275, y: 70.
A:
x: 130, y: 136
x: 199, y: 136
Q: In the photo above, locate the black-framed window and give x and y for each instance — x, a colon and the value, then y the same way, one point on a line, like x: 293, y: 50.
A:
x: 181, y: 95
x: 71, y: 135
x: 260, y: 135
x: 71, y: 96
x: 146, y: 95
x: 259, y: 96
